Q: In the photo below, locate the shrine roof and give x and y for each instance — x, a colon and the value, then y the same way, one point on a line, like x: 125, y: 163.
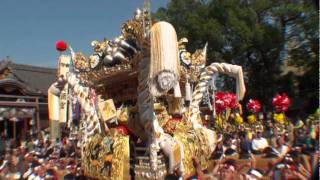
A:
x: 33, y: 80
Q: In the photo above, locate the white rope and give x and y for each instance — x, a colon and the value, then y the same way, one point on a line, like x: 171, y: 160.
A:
x: 201, y: 87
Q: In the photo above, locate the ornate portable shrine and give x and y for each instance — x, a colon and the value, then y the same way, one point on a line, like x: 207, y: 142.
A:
x: 139, y: 96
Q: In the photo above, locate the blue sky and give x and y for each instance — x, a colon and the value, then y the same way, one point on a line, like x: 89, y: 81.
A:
x: 30, y: 28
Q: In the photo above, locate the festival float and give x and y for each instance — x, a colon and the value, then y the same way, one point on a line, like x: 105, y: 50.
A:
x: 140, y: 101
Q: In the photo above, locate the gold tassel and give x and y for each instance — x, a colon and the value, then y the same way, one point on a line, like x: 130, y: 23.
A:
x: 175, y: 105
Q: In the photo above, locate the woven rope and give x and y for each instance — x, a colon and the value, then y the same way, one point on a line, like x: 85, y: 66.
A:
x: 201, y: 87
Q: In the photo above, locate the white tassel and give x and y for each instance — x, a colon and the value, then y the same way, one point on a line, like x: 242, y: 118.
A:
x: 188, y: 91
x: 164, y: 60
x: 177, y: 91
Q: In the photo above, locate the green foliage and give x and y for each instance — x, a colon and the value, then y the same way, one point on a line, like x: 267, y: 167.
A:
x: 257, y: 34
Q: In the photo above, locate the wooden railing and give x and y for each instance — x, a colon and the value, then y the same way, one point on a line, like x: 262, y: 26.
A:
x: 27, y: 102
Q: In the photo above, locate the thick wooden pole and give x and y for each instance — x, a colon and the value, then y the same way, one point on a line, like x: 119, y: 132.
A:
x: 38, y: 114
x: 25, y: 128
x: 6, y: 128
x: 14, y: 130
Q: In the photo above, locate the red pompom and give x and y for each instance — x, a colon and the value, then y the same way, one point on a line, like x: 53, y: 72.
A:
x: 224, y: 101
x: 61, y: 46
x: 281, y: 103
x: 231, y: 100
x: 254, y: 105
x: 219, y: 102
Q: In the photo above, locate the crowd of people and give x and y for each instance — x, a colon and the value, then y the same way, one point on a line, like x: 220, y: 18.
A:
x: 37, y: 158
x: 266, y: 153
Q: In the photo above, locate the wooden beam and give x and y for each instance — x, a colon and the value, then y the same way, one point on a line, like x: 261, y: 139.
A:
x: 17, y: 104
x: 14, y: 130
x: 22, y: 97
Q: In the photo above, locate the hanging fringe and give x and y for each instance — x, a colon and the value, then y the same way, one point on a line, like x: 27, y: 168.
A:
x: 164, y: 64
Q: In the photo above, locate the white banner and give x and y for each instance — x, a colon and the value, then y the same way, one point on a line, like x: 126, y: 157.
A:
x: 63, y: 100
